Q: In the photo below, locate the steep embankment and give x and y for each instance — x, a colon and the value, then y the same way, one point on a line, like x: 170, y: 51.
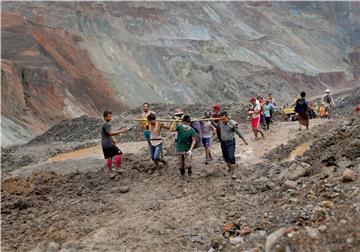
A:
x: 62, y: 60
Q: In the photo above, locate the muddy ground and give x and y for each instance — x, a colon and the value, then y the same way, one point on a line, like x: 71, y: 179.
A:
x: 278, y: 202
x: 137, y: 211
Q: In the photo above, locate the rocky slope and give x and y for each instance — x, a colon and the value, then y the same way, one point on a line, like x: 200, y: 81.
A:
x: 62, y: 60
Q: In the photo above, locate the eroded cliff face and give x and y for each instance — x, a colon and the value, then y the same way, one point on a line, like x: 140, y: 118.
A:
x: 63, y: 59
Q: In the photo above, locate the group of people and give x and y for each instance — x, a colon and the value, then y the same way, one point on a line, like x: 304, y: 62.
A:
x: 307, y: 110
x: 190, y: 134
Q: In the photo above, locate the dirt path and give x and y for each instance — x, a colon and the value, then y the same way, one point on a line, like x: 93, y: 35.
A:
x: 161, y: 212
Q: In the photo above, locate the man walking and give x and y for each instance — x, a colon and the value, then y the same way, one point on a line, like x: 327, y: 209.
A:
x: 185, y: 143
x: 227, y: 128
x: 144, y: 124
x: 156, y: 141
x: 329, y: 102
x: 302, y: 108
x: 109, y: 147
x: 255, y: 117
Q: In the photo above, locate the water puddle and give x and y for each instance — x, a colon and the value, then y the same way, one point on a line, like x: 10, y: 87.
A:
x: 131, y: 147
x: 298, y: 151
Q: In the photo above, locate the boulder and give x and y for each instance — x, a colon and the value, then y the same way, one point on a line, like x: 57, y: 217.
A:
x: 348, y: 175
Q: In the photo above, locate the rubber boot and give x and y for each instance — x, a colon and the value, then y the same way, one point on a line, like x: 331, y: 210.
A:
x: 189, y: 172
x: 232, y: 170
x: 182, y: 172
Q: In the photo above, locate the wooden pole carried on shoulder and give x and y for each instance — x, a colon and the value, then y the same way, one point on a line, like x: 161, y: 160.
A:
x: 176, y: 120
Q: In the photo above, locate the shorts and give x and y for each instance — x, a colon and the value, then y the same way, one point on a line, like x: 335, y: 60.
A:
x: 206, y: 141
x: 111, y: 151
x: 255, y: 122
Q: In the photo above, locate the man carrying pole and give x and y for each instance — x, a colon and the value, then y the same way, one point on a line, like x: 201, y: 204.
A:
x: 227, y: 128
x: 156, y: 141
x: 185, y: 143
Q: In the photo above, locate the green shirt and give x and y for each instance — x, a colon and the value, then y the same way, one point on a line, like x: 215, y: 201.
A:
x: 184, y: 138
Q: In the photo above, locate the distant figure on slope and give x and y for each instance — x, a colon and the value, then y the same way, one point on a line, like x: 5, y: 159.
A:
x: 329, y: 102
x: 109, y: 147
x: 302, y: 108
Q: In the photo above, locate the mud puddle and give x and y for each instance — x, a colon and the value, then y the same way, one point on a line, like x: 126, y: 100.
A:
x: 96, y: 151
x: 298, y: 151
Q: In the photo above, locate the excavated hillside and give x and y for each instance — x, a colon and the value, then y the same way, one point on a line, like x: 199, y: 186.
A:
x: 61, y: 60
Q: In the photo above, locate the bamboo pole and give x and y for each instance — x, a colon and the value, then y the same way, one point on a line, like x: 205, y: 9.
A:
x: 175, y: 120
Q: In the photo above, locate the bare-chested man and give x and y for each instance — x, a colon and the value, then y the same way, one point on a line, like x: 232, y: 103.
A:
x: 144, y: 124
x: 155, y: 128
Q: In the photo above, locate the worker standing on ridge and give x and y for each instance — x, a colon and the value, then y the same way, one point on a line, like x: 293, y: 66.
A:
x: 228, y: 127
x: 302, y: 108
x: 109, y: 147
x: 156, y: 141
x: 255, y: 112
x: 185, y: 143
x: 144, y: 124
x: 329, y: 102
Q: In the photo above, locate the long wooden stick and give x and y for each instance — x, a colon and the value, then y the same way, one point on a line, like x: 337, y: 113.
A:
x: 176, y: 120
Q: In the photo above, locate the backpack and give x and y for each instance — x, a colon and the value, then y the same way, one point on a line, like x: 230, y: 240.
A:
x: 327, y: 99
x: 197, y: 126
x: 301, y: 106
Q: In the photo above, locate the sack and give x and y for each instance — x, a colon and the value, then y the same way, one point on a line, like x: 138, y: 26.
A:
x: 197, y: 126
x: 301, y: 106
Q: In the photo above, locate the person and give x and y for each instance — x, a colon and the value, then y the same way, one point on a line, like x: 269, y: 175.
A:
x: 255, y: 117
x: 228, y: 127
x: 273, y: 103
x: 144, y: 124
x: 156, y: 141
x: 109, y: 147
x: 329, y: 102
x: 357, y: 108
x: 262, y: 116
x: 322, y: 110
x: 185, y: 143
x: 312, y: 113
x: 178, y: 116
x: 302, y: 109
x: 267, y: 113
x: 207, y: 137
x: 216, y: 114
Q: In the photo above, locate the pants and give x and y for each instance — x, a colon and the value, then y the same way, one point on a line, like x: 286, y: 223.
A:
x: 155, y: 151
x: 183, y: 160
x: 267, y: 120
x: 228, y: 151
x: 147, y: 135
